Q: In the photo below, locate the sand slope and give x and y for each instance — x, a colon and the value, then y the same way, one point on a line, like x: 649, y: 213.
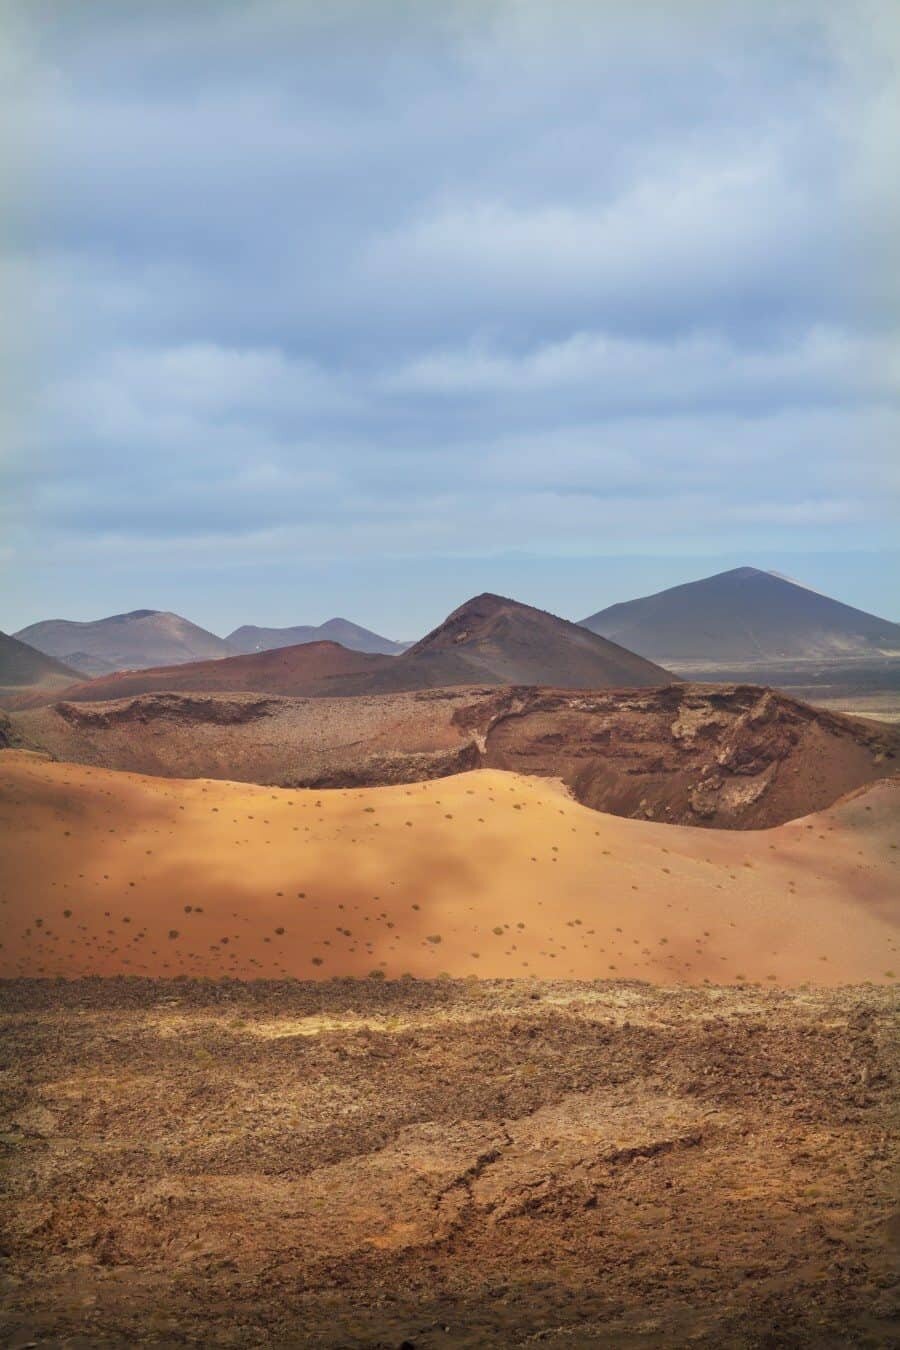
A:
x: 484, y: 874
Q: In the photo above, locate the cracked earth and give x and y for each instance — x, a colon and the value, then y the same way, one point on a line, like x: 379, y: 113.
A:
x: 447, y: 1163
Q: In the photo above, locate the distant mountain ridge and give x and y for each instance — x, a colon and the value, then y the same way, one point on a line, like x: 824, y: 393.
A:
x: 744, y: 616
x: 492, y: 639
x: 740, y: 621
x: 249, y: 638
x: 138, y: 640
x: 489, y: 640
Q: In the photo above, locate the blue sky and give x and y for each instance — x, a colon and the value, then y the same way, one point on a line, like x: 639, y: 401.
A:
x: 361, y: 308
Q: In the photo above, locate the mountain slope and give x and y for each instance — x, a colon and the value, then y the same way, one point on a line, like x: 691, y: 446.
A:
x: 744, y: 615
x: 493, y: 640
x: 249, y: 638
x: 308, y: 669
x: 23, y: 666
x: 138, y: 640
x: 488, y: 640
x: 473, y: 859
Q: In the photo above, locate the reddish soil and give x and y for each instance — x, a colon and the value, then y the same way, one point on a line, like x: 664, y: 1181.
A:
x: 442, y: 1164
x: 721, y: 756
x: 309, y: 668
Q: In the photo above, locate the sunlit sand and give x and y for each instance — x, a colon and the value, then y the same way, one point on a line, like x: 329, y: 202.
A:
x: 486, y: 874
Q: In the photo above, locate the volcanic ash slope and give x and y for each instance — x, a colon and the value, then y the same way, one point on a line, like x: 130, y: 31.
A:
x: 484, y: 874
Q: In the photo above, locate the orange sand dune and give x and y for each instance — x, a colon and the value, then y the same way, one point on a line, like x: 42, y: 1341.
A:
x: 484, y: 874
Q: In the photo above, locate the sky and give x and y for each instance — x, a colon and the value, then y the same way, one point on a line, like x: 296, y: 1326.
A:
x: 362, y: 308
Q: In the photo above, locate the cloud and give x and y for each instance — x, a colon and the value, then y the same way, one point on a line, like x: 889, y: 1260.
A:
x: 820, y: 364
x: 691, y: 244
x: 367, y: 279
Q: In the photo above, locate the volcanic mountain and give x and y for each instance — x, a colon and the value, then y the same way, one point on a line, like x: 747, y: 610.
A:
x: 249, y: 638
x: 138, y: 640
x: 308, y: 669
x: 744, y: 617
x: 493, y: 640
x: 488, y: 640
x: 24, y: 667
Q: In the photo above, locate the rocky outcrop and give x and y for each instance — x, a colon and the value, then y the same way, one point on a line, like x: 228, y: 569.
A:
x: 732, y: 756
x: 180, y: 709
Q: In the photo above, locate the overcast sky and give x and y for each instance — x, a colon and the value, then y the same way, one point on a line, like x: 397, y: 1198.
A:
x: 360, y: 308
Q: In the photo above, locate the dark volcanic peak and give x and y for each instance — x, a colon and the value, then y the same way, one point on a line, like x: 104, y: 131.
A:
x: 138, y: 640
x: 473, y: 617
x: 744, y: 616
x: 494, y: 640
x: 22, y: 666
x: 250, y: 638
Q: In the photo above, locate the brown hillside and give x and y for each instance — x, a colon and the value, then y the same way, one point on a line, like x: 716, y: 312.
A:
x: 719, y: 756
x: 307, y: 669
x: 494, y: 640
x: 489, y: 640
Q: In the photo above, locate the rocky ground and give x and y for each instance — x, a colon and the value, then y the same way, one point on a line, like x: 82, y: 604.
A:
x: 723, y: 756
x: 447, y: 1163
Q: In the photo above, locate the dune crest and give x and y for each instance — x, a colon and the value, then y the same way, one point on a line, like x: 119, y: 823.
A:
x: 486, y: 874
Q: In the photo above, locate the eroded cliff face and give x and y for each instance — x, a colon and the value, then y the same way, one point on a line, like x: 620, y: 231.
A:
x: 735, y: 756
x: 182, y: 710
